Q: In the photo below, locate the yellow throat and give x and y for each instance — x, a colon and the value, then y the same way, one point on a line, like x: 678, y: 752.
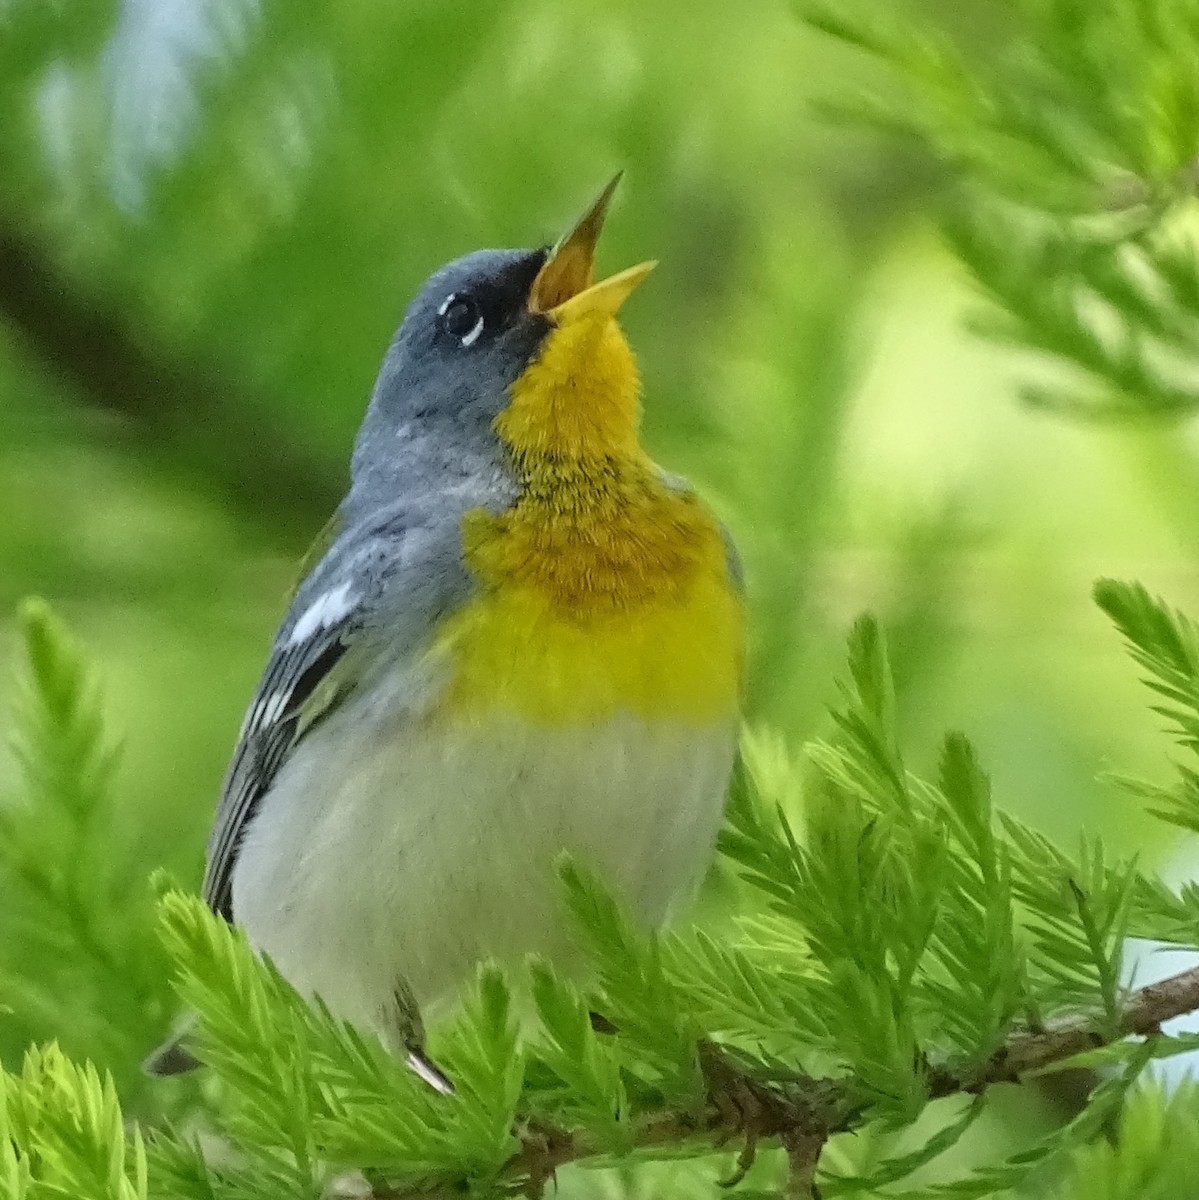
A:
x: 604, y: 588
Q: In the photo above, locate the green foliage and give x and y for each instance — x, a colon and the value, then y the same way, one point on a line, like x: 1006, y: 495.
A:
x: 1165, y: 644
x: 884, y: 957
x: 308, y: 1094
x: 80, y: 962
x: 899, y: 895
x: 983, y: 961
x: 1071, y: 139
x: 1151, y: 1156
x: 1029, y: 1169
x: 581, y: 1061
x: 61, y: 1134
x: 638, y: 998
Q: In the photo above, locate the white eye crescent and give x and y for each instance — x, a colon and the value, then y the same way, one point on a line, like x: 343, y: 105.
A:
x: 460, y: 318
x: 469, y: 339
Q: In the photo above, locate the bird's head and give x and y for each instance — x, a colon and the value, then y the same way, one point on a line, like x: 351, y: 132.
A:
x: 517, y: 349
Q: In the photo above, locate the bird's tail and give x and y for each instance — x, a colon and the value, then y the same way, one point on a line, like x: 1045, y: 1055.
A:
x: 171, y: 1058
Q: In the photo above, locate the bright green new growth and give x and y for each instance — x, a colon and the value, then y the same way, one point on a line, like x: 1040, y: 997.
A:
x: 905, y: 946
x: 64, y: 873
x: 61, y: 1134
x: 1152, y: 1157
x: 307, y: 1094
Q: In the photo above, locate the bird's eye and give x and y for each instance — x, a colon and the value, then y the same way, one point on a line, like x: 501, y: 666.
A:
x: 461, y: 319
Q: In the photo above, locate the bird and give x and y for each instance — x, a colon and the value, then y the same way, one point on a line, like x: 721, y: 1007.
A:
x: 518, y: 637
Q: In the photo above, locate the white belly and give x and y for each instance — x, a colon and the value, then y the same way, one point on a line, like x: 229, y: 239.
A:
x: 421, y: 847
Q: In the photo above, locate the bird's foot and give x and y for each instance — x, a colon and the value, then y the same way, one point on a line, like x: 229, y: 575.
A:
x: 738, y: 1108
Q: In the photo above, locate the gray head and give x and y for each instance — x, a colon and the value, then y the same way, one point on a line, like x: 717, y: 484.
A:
x: 465, y: 338
x: 474, y: 328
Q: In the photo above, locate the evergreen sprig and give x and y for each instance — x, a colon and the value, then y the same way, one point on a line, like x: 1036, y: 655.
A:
x: 1070, y: 141
x: 78, y: 956
x: 62, y: 1134
x: 1152, y: 1155
x: 311, y: 1095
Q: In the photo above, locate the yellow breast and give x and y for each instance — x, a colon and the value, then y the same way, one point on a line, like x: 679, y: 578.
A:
x: 602, y: 590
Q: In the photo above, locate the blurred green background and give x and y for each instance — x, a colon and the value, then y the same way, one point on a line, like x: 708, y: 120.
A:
x: 212, y: 213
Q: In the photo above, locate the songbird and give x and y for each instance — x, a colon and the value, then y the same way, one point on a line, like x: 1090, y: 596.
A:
x: 519, y: 637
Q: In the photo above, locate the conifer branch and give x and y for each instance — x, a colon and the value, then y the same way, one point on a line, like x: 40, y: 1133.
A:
x: 802, y: 1114
x: 1030, y: 1051
x: 1075, y: 175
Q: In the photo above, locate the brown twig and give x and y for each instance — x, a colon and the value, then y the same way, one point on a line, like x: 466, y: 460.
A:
x: 1026, y: 1052
x: 802, y: 1114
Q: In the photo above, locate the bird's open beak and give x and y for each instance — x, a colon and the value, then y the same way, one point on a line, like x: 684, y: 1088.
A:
x: 563, y: 289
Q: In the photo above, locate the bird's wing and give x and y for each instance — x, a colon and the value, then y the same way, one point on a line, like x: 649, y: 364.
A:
x: 385, y: 582
x: 302, y: 685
